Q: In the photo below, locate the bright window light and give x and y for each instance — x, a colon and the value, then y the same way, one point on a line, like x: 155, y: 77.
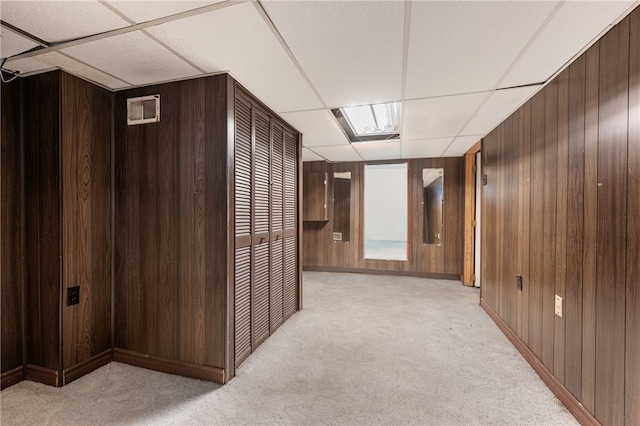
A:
x: 373, y: 119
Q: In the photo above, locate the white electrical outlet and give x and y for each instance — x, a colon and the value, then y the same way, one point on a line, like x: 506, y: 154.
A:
x: 559, y: 306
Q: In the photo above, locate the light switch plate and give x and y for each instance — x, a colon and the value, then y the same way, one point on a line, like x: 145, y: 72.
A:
x: 559, y: 306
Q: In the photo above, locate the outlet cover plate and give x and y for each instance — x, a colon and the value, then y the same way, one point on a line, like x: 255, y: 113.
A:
x: 73, y: 295
x: 559, y: 306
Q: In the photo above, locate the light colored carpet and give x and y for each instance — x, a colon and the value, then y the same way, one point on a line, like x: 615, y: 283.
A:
x: 365, y: 350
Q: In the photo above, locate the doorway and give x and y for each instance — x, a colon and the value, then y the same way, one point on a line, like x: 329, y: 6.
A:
x: 472, y: 203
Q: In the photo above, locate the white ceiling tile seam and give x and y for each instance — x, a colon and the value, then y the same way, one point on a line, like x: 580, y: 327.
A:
x: 96, y: 69
x: 265, y: 16
x: 175, y: 53
x: 532, y: 40
x: 132, y: 28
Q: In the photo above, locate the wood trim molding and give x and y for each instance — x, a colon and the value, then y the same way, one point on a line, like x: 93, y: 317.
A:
x: 47, y: 376
x: 171, y: 366
x: 87, y: 366
x: 432, y: 275
x: 469, y: 214
x: 11, y: 377
x: 568, y: 400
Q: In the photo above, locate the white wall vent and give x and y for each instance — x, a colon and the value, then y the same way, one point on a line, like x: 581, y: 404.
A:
x: 145, y: 109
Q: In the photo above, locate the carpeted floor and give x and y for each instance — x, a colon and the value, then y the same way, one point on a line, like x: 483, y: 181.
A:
x: 365, y: 350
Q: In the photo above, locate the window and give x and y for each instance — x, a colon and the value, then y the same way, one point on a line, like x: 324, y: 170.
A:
x: 385, y: 211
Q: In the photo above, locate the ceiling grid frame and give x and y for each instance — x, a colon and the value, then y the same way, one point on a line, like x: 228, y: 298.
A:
x: 432, y: 124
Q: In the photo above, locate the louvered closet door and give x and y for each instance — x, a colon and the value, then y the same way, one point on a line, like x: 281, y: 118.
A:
x: 277, y: 225
x: 242, y: 272
x: 261, y: 237
x: 290, y: 224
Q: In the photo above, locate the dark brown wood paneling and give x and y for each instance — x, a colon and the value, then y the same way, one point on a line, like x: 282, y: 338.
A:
x: 575, y: 224
x: 129, y: 293
x: 453, y: 213
x: 524, y: 217
x: 321, y: 251
x: 171, y: 212
x: 167, y: 219
x: 611, y: 230
x: 549, y: 221
x: 86, y: 218
x: 171, y: 366
x: 583, y: 204
x: 632, y: 357
x: 42, y: 219
x: 592, y: 59
x: 561, y: 222
x: 501, y: 163
x: 315, y: 196
x: 219, y: 214
x: 536, y: 251
x: 11, y: 294
x: 488, y: 283
x: 191, y: 296
x: 88, y: 365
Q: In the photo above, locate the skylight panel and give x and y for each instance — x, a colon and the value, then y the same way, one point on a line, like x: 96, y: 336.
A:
x: 370, y: 122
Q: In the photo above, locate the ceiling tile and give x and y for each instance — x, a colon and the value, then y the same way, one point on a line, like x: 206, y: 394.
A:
x: 52, y: 60
x: 351, y: 50
x: 338, y: 153
x: 575, y: 25
x: 237, y: 39
x: 319, y: 127
x: 12, y: 43
x: 55, y: 21
x: 467, y: 46
x: 139, y: 60
x: 143, y: 11
x: 461, y: 145
x: 308, y: 155
x: 438, y: 117
x: 428, y: 148
x: 500, y: 105
x: 371, y: 151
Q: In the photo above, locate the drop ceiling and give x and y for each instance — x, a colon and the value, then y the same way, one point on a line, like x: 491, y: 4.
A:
x: 458, y: 67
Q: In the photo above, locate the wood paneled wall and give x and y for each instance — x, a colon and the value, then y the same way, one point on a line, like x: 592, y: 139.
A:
x: 42, y: 219
x: 563, y: 194
x: 322, y: 253
x: 63, y: 126
x: 85, y: 144
x: 11, y: 293
x: 171, y: 207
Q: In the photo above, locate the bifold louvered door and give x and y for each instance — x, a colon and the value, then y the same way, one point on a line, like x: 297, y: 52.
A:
x: 277, y: 225
x: 266, y: 267
x: 290, y: 224
x: 243, y: 223
x: 261, y: 197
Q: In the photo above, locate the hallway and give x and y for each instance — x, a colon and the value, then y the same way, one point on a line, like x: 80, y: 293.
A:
x: 366, y: 349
